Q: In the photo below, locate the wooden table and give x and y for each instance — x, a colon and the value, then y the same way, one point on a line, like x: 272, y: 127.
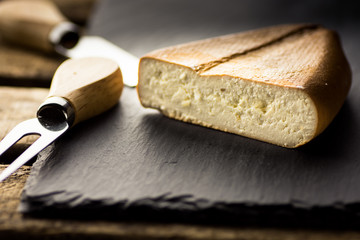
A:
x: 27, y: 68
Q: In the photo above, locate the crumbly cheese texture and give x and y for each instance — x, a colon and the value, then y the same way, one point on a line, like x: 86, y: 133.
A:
x: 273, y: 91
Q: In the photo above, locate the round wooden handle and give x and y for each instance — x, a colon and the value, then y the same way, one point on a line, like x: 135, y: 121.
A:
x: 36, y: 24
x: 90, y: 85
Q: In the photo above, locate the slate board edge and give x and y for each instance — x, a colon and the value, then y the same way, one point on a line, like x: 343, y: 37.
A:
x: 185, y: 209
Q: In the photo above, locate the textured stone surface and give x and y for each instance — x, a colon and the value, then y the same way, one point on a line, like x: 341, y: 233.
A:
x: 135, y: 163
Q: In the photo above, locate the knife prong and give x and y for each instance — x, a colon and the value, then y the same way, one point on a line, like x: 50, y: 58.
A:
x: 46, y: 138
x: 14, y: 136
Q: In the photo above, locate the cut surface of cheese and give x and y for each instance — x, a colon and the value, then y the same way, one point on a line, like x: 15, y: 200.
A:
x: 281, y: 85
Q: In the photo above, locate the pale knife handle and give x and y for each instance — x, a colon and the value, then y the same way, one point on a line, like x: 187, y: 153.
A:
x: 37, y: 24
x: 90, y: 85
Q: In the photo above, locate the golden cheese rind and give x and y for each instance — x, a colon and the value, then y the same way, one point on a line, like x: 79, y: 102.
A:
x: 281, y: 84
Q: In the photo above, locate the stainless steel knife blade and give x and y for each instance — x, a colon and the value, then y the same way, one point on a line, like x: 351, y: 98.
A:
x: 90, y: 46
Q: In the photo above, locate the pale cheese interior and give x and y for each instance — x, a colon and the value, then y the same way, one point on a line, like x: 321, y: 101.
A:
x: 280, y: 115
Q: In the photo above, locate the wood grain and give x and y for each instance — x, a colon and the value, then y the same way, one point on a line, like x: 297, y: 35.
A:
x: 77, y: 11
x: 91, y: 85
x: 29, y: 23
x: 16, y: 105
x: 21, y: 66
x: 24, y: 67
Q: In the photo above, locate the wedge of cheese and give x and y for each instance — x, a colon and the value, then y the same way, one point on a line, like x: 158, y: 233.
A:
x: 281, y: 84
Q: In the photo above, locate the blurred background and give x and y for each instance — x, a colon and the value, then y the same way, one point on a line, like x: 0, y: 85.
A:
x: 139, y: 26
x: 143, y: 25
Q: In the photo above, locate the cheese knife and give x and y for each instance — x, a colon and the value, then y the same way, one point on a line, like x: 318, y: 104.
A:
x: 80, y: 89
x: 41, y: 26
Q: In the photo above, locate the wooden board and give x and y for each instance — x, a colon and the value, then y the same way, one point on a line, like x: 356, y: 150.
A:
x: 132, y: 163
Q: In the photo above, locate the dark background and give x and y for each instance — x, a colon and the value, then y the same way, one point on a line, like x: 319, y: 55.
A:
x: 141, y: 26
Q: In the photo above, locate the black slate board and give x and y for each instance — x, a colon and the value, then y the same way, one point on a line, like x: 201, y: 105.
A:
x: 133, y: 163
